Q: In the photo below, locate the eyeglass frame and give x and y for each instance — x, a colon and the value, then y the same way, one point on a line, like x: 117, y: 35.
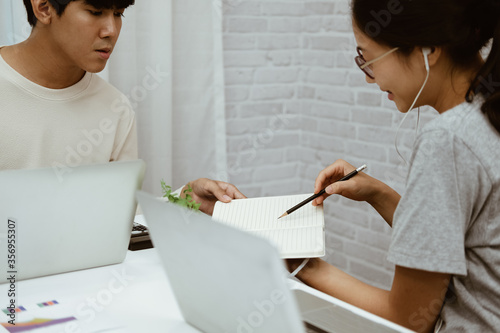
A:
x: 363, y: 64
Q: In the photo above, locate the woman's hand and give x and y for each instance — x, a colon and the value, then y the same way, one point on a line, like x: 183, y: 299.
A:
x: 360, y: 188
x: 208, y: 192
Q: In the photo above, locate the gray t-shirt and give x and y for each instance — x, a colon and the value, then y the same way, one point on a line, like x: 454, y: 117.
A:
x: 448, y: 220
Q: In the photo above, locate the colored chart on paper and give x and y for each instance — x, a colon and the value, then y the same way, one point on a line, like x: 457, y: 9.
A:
x: 34, y: 324
x: 33, y: 317
x: 44, y: 304
x: 16, y: 310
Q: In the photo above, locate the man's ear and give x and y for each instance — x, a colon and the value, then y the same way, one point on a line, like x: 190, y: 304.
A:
x: 43, y: 11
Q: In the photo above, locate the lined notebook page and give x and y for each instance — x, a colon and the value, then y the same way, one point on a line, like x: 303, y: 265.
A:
x: 299, y: 235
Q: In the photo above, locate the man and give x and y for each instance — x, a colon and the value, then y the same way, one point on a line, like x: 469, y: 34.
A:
x: 55, y: 112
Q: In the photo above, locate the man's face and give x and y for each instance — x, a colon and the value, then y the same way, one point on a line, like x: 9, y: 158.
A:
x: 86, y: 36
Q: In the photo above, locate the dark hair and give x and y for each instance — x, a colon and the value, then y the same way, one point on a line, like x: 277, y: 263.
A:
x: 60, y: 6
x: 461, y: 27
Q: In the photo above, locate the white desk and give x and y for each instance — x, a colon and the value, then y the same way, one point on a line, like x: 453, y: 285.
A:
x: 134, y: 296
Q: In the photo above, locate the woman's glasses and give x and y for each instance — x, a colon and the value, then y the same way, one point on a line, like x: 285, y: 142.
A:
x: 364, y: 65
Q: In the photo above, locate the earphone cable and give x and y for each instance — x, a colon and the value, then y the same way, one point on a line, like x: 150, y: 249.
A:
x: 406, y: 115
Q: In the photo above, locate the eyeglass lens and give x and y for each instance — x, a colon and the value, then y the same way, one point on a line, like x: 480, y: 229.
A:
x: 360, y: 61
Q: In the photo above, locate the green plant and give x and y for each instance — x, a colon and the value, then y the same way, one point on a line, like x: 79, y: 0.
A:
x: 187, y: 201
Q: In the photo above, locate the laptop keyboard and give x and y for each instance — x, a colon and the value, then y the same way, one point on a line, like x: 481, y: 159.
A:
x: 335, y: 317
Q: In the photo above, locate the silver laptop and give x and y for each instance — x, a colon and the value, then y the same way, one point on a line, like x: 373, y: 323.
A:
x: 51, y: 224
x: 226, y: 280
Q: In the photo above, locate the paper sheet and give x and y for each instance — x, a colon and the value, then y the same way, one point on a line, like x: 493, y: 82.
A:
x: 298, y: 235
x: 54, y: 316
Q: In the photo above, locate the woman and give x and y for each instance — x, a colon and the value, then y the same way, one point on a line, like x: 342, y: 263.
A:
x: 446, y: 227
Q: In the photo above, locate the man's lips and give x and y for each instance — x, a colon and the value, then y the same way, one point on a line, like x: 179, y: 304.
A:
x: 104, y: 53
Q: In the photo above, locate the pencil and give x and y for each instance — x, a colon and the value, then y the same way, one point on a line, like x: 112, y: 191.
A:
x: 314, y: 196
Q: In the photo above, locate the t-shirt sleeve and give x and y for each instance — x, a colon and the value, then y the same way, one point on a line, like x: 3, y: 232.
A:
x: 125, y: 146
x: 433, y: 215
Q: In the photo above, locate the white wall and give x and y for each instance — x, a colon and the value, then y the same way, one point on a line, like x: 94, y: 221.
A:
x: 296, y: 102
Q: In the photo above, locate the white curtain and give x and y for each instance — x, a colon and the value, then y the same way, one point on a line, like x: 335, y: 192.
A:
x: 198, y: 98
x: 14, y: 27
x: 168, y: 61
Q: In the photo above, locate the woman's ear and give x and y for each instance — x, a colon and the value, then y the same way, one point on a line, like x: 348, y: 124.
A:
x: 434, y: 54
x: 43, y: 11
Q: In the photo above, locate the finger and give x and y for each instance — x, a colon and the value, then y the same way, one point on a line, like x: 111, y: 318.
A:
x: 320, y: 180
x: 221, y: 195
x: 318, y: 201
x: 217, y: 190
x: 338, y: 187
x: 234, y: 193
x: 231, y: 190
x: 327, y: 175
x: 238, y: 195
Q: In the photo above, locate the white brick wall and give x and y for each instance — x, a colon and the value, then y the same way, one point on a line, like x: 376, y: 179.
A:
x: 296, y: 102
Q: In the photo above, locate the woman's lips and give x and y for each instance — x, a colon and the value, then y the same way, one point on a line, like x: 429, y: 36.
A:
x: 390, y: 94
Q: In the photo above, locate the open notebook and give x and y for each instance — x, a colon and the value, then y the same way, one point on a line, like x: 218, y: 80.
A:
x: 298, y: 235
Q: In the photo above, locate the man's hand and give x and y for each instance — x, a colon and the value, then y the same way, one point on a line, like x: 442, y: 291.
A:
x: 207, y: 192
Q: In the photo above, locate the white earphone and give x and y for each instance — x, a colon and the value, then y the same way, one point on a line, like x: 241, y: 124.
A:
x: 426, y: 51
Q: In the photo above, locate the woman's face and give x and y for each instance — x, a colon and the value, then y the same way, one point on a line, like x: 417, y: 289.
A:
x: 400, y: 77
